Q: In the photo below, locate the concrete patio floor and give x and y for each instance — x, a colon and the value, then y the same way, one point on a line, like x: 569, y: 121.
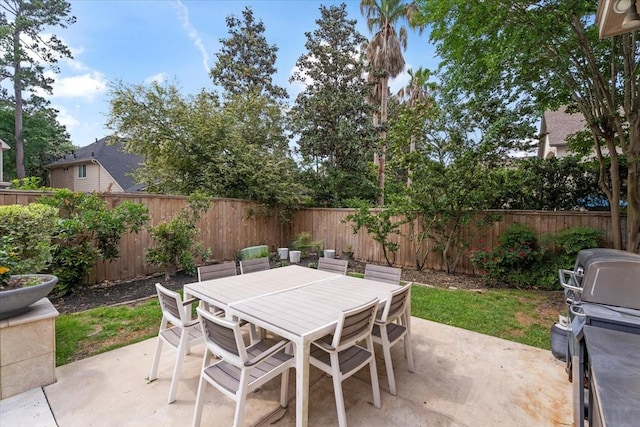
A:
x: 462, y: 378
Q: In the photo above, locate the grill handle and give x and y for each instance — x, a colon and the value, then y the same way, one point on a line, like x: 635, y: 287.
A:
x: 565, y: 283
x: 574, y: 310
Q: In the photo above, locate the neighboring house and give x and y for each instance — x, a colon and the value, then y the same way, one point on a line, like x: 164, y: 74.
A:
x: 555, y: 127
x: 97, y: 167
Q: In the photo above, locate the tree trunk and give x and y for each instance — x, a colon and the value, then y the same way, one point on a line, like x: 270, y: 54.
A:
x: 17, y: 89
x: 633, y: 185
x: 383, y: 136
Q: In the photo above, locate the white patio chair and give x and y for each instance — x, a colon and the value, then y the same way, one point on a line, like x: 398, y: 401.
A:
x: 252, y: 265
x: 391, y: 325
x: 216, y: 271
x: 181, y: 335
x: 381, y: 273
x: 340, y: 356
x: 241, y: 369
x: 333, y: 265
x: 219, y: 271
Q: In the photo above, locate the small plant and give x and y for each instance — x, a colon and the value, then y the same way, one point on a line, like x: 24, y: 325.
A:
x: 381, y: 226
x: 176, y: 246
x: 305, y: 245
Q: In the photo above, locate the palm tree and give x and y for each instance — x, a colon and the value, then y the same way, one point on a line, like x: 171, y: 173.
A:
x: 384, y: 53
x: 417, y: 94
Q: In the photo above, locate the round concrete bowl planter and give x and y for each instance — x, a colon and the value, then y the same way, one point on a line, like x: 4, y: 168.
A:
x: 14, y: 302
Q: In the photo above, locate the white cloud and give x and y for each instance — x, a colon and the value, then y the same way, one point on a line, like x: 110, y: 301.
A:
x: 183, y: 15
x: 66, y: 119
x: 401, y: 80
x: 157, y: 78
x: 86, y: 86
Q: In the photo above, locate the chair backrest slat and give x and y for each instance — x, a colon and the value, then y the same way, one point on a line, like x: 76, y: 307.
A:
x: 216, y: 271
x: 333, y: 265
x: 252, y: 265
x: 384, y: 274
x: 355, y: 325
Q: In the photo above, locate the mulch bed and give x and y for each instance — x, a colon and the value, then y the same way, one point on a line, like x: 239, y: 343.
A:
x: 110, y: 293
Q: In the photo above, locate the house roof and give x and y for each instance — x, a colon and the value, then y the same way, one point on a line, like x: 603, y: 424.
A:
x: 4, y: 146
x: 111, y: 156
x: 559, y: 124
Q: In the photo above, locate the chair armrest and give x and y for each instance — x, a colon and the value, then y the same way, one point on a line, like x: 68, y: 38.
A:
x: 325, y: 346
x: 190, y: 301
x: 272, y: 350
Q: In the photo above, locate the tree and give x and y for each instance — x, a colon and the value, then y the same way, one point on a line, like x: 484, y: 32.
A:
x: 331, y: 116
x: 246, y: 61
x: 384, y: 53
x: 507, y: 48
x: 192, y: 143
x: 47, y: 139
x: 26, y: 51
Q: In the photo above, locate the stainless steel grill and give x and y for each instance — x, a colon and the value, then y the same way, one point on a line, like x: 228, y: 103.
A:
x: 604, y: 276
x: 603, y: 294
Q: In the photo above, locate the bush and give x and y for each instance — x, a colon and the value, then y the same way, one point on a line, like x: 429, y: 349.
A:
x: 519, y: 261
x: 305, y: 245
x: 25, y: 243
x: 515, y: 252
x: 88, y: 230
x: 176, y: 245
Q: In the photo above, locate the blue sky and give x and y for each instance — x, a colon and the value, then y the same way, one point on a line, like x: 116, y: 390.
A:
x: 138, y: 41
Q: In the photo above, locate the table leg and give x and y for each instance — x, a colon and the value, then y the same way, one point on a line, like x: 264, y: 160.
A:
x: 303, y: 349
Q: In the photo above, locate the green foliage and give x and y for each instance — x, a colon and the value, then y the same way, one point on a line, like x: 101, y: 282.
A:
x: 334, y: 101
x: 28, y: 183
x: 572, y: 240
x: 381, y: 225
x: 88, y: 230
x: 237, y: 150
x: 25, y: 238
x: 246, y: 62
x: 519, y: 260
x: 303, y: 243
x: 176, y: 246
x: 28, y: 45
x: 47, y: 140
x: 488, y: 50
x: 548, y: 184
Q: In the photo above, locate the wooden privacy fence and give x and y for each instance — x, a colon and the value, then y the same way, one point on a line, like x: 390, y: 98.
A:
x: 229, y: 226
x: 327, y: 225
x: 225, y: 228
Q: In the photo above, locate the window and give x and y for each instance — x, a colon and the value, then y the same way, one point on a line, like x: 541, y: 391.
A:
x: 82, y: 171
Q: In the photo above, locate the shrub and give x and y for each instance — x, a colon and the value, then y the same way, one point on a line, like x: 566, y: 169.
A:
x: 25, y: 242
x: 305, y: 245
x: 519, y: 261
x: 515, y: 252
x: 88, y: 230
x: 176, y: 246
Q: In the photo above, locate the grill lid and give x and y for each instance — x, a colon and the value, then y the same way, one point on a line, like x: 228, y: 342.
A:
x: 608, y: 276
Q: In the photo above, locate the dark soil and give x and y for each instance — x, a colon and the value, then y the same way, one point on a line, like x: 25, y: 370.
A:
x: 105, y: 294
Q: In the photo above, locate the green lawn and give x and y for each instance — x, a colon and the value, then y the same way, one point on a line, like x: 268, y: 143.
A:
x: 510, y: 314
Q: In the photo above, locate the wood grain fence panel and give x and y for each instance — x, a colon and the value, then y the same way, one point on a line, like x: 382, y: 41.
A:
x: 227, y: 227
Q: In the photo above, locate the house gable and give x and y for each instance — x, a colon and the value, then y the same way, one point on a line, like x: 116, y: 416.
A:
x: 555, y: 127
x: 107, y: 168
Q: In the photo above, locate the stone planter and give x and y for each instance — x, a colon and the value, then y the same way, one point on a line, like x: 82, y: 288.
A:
x: 294, y: 256
x: 17, y: 301
x: 329, y: 253
x: 283, y: 253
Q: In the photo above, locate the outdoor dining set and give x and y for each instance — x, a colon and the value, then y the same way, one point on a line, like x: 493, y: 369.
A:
x: 297, y: 317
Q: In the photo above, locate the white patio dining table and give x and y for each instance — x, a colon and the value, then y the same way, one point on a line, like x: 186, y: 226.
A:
x: 298, y: 303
